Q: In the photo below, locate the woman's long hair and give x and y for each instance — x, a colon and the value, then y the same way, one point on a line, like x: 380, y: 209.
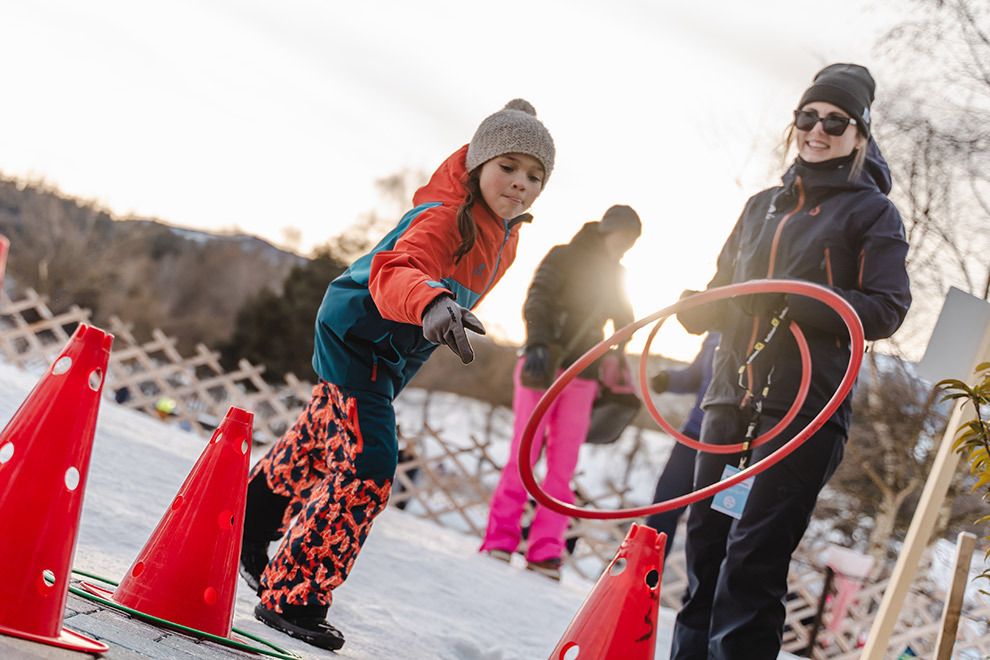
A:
x: 465, y: 216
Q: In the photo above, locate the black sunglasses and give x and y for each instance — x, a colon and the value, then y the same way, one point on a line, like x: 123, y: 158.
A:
x: 831, y: 124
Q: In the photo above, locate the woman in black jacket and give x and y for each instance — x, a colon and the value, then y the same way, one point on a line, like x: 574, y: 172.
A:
x: 577, y: 289
x: 829, y: 222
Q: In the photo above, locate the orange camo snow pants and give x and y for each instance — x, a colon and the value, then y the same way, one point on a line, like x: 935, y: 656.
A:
x: 338, y: 473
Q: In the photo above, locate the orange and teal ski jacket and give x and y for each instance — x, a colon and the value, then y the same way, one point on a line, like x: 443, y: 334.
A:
x: 369, y: 333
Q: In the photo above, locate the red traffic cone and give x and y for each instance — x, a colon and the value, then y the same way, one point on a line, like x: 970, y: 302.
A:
x: 44, y: 460
x: 187, y: 571
x: 618, y: 620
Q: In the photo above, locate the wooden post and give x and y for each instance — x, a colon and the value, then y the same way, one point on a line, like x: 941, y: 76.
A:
x: 918, y: 536
x: 962, y: 338
x: 965, y: 544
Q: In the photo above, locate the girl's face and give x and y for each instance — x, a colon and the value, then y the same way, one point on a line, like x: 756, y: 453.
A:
x: 510, y: 183
x: 816, y: 146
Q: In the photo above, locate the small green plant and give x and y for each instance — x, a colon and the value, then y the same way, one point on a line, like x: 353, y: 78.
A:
x: 973, y: 438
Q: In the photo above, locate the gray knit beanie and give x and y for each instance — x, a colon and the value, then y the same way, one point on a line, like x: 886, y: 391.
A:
x: 512, y: 130
x: 620, y: 217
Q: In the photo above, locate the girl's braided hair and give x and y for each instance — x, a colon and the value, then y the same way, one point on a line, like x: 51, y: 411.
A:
x: 465, y: 216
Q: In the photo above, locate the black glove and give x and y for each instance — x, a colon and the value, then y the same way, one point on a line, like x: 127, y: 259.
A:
x: 444, y: 322
x: 699, y: 320
x: 660, y: 382
x: 761, y: 304
x: 536, y: 361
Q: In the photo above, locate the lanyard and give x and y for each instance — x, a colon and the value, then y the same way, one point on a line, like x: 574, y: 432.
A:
x: 756, y: 407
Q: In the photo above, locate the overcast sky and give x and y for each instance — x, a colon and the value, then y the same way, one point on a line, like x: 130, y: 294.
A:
x: 276, y: 118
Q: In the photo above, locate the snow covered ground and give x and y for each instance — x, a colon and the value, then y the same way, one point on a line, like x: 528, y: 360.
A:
x: 417, y: 592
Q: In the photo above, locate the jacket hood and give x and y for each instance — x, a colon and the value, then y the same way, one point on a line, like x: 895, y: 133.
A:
x: 446, y: 185
x: 834, y: 174
x: 588, y: 239
x: 876, y: 168
x: 588, y: 235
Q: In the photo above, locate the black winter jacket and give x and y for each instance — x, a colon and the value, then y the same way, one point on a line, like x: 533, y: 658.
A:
x: 577, y: 288
x: 819, y: 227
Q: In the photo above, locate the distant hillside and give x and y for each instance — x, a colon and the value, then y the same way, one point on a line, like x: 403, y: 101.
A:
x: 188, y: 283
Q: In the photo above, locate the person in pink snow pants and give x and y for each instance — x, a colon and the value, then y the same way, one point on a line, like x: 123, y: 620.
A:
x: 577, y: 289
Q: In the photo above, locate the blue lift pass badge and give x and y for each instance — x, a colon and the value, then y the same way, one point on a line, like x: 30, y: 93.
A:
x: 732, y: 500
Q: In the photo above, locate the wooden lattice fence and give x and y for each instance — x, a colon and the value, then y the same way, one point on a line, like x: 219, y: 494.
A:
x: 199, y: 386
x: 447, y: 475
x: 31, y: 336
x: 451, y: 485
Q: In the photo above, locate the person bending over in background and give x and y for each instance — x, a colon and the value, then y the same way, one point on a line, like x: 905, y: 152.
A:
x: 577, y: 289
x: 829, y: 222
x: 677, y: 477
x: 379, y: 321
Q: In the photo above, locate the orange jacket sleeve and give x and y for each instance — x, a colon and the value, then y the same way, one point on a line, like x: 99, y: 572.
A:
x: 405, y: 279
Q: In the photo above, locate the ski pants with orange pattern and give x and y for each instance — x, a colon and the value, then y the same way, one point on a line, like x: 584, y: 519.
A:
x: 335, y: 468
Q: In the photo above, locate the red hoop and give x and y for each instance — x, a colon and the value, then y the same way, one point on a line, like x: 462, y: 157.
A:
x: 792, y: 412
x: 798, y: 287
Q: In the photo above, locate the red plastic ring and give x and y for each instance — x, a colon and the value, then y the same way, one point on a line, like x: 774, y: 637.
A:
x: 797, y: 287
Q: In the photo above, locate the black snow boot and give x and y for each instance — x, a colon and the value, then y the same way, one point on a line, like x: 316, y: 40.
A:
x: 262, y: 519
x: 305, y: 622
x: 254, y: 559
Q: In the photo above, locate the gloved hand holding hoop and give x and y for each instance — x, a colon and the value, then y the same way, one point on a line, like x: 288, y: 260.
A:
x: 660, y: 382
x: 536, y: 367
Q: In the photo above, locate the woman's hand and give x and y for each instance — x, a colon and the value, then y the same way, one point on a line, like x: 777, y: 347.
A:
x: 698, y: 320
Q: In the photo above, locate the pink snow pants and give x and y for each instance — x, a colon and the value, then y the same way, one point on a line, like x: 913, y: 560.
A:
x: 564, y: 427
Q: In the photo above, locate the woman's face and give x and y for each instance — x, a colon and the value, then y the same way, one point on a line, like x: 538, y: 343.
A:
x: 511, y: 183
x: 816, y: 146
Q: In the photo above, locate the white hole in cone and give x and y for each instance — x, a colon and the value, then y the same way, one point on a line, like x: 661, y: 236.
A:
x: 617, y: 566
x: 48, y: 577
x: 62, y: 365
x: 571, y: 653
x: 6, y: 452
x: 95, y: 379
x: 72, y: 478
x: 216, y: 437
x: 244, y: 447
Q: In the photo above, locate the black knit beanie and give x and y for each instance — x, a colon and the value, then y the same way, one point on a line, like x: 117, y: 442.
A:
x: 848, y: 86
